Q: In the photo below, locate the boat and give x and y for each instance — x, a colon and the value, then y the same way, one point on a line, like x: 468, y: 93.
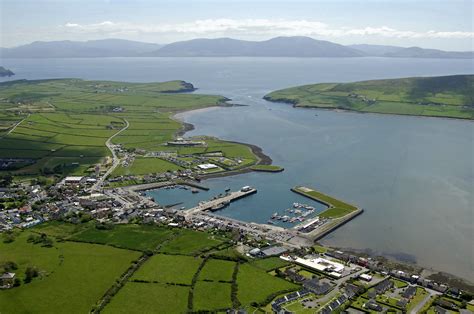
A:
x: 270, y: 222
x: 194, y: 191
x: 227, y: 190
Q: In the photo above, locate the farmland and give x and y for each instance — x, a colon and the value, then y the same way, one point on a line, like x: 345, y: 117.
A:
x: 444, y: 96
x: 72, y: 275
x: 61, y: 126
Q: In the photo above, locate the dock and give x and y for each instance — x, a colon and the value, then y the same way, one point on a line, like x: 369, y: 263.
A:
x: 215, y: 203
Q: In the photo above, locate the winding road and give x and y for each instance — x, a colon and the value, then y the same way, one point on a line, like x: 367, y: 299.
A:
x: 115, y: 159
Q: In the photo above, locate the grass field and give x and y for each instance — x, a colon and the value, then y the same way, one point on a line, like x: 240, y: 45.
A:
x: 255, y: 285
x: 169, y: 269
x: 136, y: 297
x: 65, y: 123
x: 270, y: 263
x: 211, y: 296
x: 73, y: 277
x: 444, y: 96
x: 217, y: 270
x: 336, y: 208
x: 190, y: 242
x: 135, y: 237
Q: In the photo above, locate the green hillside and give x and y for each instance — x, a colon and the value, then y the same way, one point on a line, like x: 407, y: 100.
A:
x: 61, y: 126
x: 443, y: 96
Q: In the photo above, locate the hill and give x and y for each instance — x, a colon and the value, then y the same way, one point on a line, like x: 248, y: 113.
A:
x: 79, y: 49
x: 443, y: 96
x: 411, y: 52
x: 275, y: 47
x: 5, y: 72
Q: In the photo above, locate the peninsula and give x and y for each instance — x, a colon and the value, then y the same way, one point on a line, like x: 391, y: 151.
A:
x: 5, y: 72
x: 442, y: 96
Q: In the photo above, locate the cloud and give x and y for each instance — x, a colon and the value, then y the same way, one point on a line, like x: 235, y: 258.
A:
x: 255, y: 28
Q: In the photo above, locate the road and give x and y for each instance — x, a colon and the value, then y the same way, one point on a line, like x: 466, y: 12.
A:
x: 115, y: 159
x: 422, y: 303
x: 14, y: 127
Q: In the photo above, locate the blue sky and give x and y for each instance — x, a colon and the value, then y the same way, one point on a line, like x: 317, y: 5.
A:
x: 443, y: 24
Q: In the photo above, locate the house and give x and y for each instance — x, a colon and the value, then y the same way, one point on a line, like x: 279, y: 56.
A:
x: 7, y: 280
x: 372, y: 305
x: 316, y: 286
x: 409, y: 292
x: 402, y: 303
x: 365, y: 277
x: 383, y: 286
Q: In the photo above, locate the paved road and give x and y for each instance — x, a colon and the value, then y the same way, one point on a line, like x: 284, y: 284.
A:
x: 420, y: 305
x: 115, y: 159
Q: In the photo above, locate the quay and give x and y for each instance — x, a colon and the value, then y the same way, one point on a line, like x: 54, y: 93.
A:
x: 215, y: 203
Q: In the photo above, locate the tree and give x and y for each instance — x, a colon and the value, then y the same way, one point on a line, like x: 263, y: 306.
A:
x: 30, y: 273
x: 9, y: 266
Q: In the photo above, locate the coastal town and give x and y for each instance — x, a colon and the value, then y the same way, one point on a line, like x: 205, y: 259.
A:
x: 329, y: 280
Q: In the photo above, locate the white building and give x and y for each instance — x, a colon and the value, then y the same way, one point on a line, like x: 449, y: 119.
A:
x: 207, y: 166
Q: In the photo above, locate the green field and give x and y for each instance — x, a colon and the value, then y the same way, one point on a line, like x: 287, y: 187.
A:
x: 211, y: 296
x: 135, y: 237
x: 336, y: 208
x: 444, y: 96
x: 255, y: 285
x: 136, y: 297
x: 65, y: 123
x: 217, y: 270
x: 270, y: 263
x: 72, y: 275
x: 169, y: 269
x: 190, y: 242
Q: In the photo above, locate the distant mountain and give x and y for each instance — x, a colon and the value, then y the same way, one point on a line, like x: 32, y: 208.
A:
x: 5, y: 72
x: 275, y: 47
x: 411, y: 52
x: 297, y: 46
x: 79, y: 49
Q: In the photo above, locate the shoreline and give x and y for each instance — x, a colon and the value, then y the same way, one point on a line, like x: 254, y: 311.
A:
x: 334, y: 109
x: 262, y: 158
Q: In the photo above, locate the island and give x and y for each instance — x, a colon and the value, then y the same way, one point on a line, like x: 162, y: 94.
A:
x: 5, y: 72
x: 442, y: 96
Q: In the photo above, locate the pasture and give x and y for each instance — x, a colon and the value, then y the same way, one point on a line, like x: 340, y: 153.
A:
x: 137, y: 297
x: 73, y: 277
x: 171, y: 269
x: 256, y: 285
x: 217, y: 270
x: 211, y: 296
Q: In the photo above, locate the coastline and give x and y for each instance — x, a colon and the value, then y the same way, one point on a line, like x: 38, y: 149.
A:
x: 262, y: 158
x: 335, y: 109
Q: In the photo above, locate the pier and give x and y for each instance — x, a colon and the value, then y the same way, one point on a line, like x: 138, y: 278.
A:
x: 226, y: 199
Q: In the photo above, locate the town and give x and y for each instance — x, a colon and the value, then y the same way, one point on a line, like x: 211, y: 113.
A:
x: 328, y: 280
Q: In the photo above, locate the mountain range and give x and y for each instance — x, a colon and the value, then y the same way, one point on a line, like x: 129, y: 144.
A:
x: 296, y: 46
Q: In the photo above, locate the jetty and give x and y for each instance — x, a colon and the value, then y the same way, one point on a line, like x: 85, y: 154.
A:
x: 217, y: 203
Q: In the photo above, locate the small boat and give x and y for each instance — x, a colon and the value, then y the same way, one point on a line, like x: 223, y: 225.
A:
x: 270, y: 222
x: 227, y: 190
x: 194, y: 191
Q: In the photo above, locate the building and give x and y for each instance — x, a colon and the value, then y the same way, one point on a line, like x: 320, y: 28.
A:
x: 274, y: 250
x: 7, y: 280
x: 334, y: 269
x: 73, y: 180
x: 366, y: 277
x: 207, y: 166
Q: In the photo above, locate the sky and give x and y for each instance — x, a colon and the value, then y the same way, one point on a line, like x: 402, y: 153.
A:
x: 440, y: 24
